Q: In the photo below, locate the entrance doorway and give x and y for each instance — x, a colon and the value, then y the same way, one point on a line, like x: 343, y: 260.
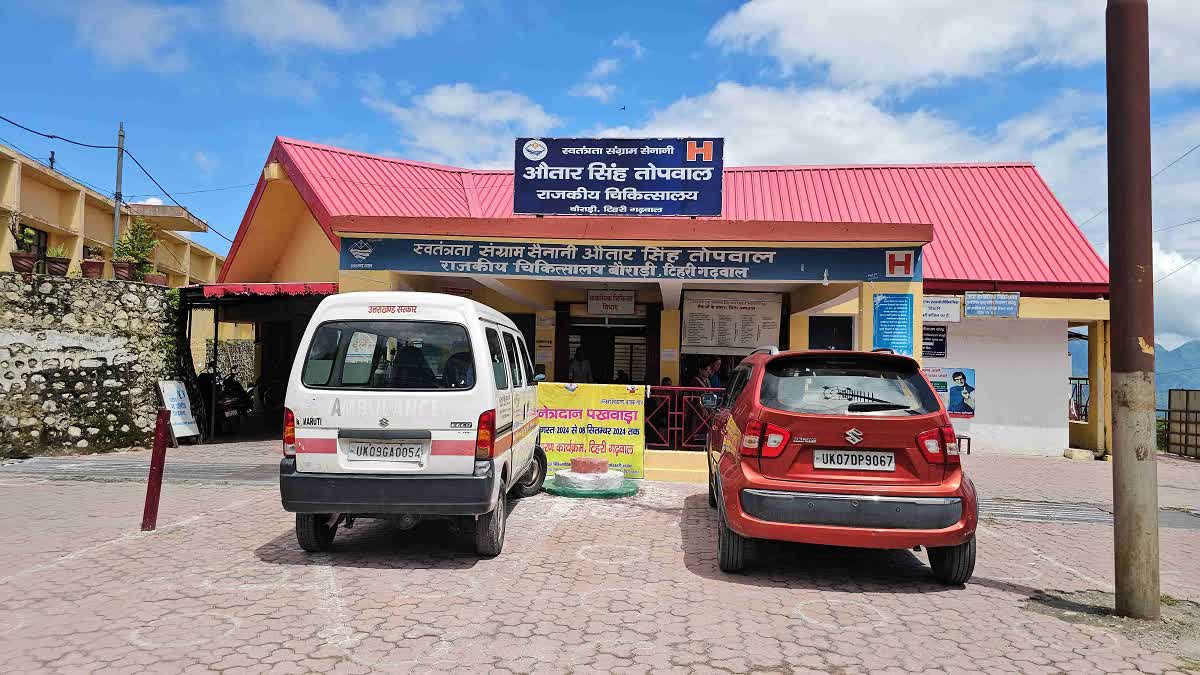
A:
x: 831, y: 332
x: 617, y: 349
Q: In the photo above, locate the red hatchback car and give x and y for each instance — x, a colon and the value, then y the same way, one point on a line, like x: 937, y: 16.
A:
x: 838, y: 448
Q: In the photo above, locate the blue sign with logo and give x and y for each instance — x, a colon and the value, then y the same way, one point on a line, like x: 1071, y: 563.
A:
x: 893, y: 313
x: 991, y: 304
x: 619, y: 176
x: 602, y: 261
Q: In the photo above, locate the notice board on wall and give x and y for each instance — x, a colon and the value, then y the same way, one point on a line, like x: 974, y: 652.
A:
x: 723, y: 322
x: 894, y: 322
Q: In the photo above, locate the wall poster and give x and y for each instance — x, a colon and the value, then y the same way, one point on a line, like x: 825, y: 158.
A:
x: 593, y: 420
x: 720, y: 322
x: 956, y: 386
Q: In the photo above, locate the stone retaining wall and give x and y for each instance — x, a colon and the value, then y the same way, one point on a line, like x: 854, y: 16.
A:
x: 79, y: 363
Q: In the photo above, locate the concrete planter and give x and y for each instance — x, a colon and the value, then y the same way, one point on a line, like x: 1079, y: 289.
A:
x: 123, y: 271
x: 23, y: 262
x: 57, y: 266
x: 92, y: 269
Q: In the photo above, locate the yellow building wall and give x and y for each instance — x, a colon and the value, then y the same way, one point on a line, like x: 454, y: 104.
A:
x: 307, y: 255
x: 668, y: 340
x: 40, y: 201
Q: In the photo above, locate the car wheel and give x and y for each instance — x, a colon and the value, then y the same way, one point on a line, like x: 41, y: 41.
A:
x: 314, y: 533
x: 731, y: 546
x: 489, y: 529
x: 531, y: 483
x: 953, y: 565
x: 712, y: 490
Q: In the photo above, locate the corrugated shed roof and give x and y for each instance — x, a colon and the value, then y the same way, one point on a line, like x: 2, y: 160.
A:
x: 992, y: 222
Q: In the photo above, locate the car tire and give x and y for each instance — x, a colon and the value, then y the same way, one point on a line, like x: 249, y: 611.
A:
x: 953, y: 565
x: 489, y: 529
x: 535, y: 476
x: 731, y: 546
x: 712, y: 490
x: 314, y: 533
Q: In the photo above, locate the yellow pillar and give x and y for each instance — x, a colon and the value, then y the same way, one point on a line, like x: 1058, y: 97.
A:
x: 798, y: 331
x: 1099, y: 370
x: 866, y: 319
x: 668, y: 344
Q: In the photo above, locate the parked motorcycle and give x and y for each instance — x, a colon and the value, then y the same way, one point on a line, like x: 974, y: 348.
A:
x: 233, y: 402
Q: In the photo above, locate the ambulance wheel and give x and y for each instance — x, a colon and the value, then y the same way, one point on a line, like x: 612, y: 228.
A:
x: 313, y: 532
x: 531, y: 483
x: 489, y: 529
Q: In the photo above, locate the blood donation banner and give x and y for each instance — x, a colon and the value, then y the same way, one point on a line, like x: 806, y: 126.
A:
x: 593, y: 420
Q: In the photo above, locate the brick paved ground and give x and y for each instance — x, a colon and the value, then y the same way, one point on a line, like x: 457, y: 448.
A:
x: 628, y: 585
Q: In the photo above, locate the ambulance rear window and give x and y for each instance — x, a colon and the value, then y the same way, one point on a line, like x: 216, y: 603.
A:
x: 389, y: 355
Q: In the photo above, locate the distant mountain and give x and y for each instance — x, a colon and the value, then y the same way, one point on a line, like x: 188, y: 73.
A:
x: 1177, y: 368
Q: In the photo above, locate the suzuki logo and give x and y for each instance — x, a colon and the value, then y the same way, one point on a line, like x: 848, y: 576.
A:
x: 854, y: 436
x: 383, y: 422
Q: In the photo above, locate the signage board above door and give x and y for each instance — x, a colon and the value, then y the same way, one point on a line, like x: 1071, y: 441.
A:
x: 615, y: 303
x: 618, y: 176
x: 585, y: 260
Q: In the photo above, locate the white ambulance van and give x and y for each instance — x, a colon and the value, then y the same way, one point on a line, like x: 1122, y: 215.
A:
x: 409, y: 405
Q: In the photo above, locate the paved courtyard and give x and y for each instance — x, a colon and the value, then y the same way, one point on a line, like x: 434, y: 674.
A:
x: 628, y: 585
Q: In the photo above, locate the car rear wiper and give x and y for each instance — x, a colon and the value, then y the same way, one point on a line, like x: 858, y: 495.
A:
x: 872, y: 407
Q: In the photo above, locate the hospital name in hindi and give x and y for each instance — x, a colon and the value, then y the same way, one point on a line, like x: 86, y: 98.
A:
x: 643, y: 150
x: 624, y: 194
x: 602, y: 171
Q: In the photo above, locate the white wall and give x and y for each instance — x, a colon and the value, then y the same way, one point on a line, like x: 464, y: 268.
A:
x: 1021, y: 370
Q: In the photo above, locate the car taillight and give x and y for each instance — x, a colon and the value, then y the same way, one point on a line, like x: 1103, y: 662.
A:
x: 485, y: 435
x: 950, y: 443
x: 289, y: 433
x: 752, y: 437
x: 764, y: 439
x: 940, y: 446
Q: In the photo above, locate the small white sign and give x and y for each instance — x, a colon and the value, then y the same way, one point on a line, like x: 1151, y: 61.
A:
x: 669, y: 355
x: 175, y: 399
x: 942, y: 309
x: 611, y: 302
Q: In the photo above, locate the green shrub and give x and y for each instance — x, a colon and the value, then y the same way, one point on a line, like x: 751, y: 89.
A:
x: 136, y: 245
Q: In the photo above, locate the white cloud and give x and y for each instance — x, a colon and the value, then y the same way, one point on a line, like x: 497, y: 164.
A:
x: 626, y: 41
x: 205, y: 162
x: 1065, y: 138
x: 150, y: 201
x: 604, y: 68
x: 276, y: 24
x: 1175, y: 298
x: 603, y: 92
x: 302, y: 86
x: 460, y: 125
x: 927, y: 42
x: 133, y: 33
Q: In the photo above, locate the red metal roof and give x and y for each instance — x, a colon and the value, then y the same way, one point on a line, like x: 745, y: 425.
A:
x: 222, y: 290
x: 993, y: 224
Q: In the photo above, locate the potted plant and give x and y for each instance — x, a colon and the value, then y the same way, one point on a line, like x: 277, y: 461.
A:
x: 24, y: 258
x: 57, y: 260
x: 134, y: 250
x: 92, y: 265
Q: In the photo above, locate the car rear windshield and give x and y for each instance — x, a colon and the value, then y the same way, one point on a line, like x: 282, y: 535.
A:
x: 389, y: 355
x: 846, y: 385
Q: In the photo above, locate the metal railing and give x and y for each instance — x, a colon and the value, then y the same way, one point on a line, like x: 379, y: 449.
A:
x: 1081, y: 394
x: 675, y: 419
x: 1179, y: 427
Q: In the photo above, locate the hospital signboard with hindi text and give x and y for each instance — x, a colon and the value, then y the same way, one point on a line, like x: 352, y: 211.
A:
x: 618, y: 176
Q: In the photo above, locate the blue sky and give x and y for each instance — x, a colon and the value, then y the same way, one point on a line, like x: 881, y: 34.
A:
x: 204, y: 87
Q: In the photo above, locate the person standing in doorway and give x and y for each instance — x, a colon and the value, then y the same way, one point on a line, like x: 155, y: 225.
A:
x: 704, y: 370
x: 580, y: 369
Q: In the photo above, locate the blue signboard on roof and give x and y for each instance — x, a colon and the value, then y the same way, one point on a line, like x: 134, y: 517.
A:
x: 992, y: 304
x: 619, y: 176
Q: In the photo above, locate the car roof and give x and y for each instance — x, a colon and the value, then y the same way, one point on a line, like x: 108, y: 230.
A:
x: 466, y: 306
x: 762, y: 357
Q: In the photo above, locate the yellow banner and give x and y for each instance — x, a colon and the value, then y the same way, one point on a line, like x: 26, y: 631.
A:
x: 593, y: 420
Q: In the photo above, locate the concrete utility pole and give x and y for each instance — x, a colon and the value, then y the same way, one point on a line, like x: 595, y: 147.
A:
x: 1131, y: 264
x: 117, y: 192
